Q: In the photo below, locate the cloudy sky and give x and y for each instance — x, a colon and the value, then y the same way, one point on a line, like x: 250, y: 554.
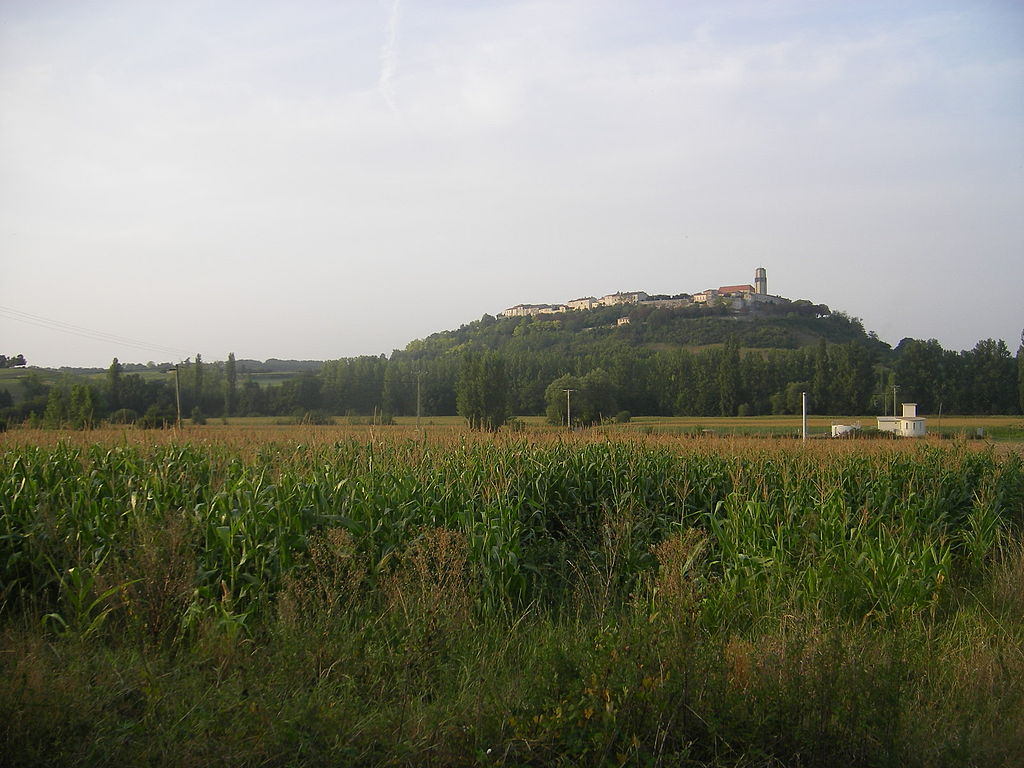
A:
x: 326, y: 179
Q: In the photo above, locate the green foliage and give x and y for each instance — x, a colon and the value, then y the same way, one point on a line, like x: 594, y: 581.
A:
x: 157, y: 417
x: 123, y: 416
x: 482, y: 392
x: 502, y: 602
x: 230, y: 385
x: 592, y: 399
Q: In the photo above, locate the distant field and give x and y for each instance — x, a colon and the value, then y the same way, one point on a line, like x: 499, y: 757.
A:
x: 1001, y: 428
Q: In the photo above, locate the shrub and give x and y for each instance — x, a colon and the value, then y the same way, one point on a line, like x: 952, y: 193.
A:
x: 124, y: 416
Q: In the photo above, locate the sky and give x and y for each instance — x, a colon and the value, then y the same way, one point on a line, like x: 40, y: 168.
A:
x: 317, y: 180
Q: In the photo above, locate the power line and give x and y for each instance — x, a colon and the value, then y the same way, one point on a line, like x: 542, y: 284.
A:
x: 88, y: 333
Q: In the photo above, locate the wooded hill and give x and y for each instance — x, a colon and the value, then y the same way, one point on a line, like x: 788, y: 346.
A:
x: 686, y: 361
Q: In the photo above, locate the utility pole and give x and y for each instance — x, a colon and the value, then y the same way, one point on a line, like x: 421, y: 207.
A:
x: 894, y: 388
x: 568, y: 408
x: 803, y: 397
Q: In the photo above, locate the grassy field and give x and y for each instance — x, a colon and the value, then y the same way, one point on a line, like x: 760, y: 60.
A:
x: 260, y: 594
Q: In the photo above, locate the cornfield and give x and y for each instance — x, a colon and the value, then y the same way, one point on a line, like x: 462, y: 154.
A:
x: 683, y: 594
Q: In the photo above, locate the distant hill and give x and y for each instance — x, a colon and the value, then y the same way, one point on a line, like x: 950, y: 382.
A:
x: 641, y: 326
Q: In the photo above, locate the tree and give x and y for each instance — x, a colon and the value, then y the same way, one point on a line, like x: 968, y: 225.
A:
x: 56, y: 409
x: 853, y: 379
x: 197, y: 381
x: 593, y: 398
x: 230, y: 385
x: 80, y: 411
x: 992, y: 377
x: 114, y: 385
x: 729, y: 379
x: 1020, y: 373
x: 482, y: 391
x: 12, y: 362
x: 919, y: 372
x: 821, y: 382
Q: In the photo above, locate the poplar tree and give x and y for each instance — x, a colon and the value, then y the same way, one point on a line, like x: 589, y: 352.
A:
x: 114, y: 385
x: 230, y: 385
x: 1020, y: 373
x: 482, y: 392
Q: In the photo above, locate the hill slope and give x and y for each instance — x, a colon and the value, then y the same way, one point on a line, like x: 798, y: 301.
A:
x: 789, y: 326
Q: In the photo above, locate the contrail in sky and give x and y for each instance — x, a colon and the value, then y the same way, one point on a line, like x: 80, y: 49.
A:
x: 389, y: 56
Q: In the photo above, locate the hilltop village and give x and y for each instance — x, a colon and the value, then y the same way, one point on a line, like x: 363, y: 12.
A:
x: 737, y: 296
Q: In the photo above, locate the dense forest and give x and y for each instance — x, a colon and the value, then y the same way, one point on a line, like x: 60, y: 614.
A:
x: 656, y: 361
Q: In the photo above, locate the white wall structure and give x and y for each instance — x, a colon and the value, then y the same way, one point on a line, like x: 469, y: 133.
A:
x: 845, y: 430
x: 588, y: 302
x: 631, y: 297
x: 910, y: 424
x: 887, y: 423
x: 526, y: 310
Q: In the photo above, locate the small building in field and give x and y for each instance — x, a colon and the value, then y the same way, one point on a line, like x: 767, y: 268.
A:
x: 910, y: 424
x: 907, y: 425
x: 845, y: 430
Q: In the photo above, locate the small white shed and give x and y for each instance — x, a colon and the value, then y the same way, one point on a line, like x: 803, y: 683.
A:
x: 845, y: 430
x: 907, y: 425
x: 910, y: 424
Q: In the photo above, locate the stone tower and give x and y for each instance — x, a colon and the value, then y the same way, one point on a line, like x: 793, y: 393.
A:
x: 760, y: 281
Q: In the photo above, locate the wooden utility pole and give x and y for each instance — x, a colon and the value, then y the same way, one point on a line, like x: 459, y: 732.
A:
x: 568, y: 408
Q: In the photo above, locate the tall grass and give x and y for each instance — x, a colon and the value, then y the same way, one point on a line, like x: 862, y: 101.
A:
x: 409, y: 600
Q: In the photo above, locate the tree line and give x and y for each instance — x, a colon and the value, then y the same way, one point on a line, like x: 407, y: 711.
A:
x: 727, y: 380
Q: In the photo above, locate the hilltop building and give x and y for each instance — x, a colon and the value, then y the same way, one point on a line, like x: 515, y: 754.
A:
x: 738, y: 296
x: 736, y: 290
x: 588, y: 302
x: 634, y: 297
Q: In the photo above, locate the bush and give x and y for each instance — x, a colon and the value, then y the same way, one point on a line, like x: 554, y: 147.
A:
x: 623, y: 417
x: 124, y: 416
x: 156, y: 417
x: 317, y: 418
